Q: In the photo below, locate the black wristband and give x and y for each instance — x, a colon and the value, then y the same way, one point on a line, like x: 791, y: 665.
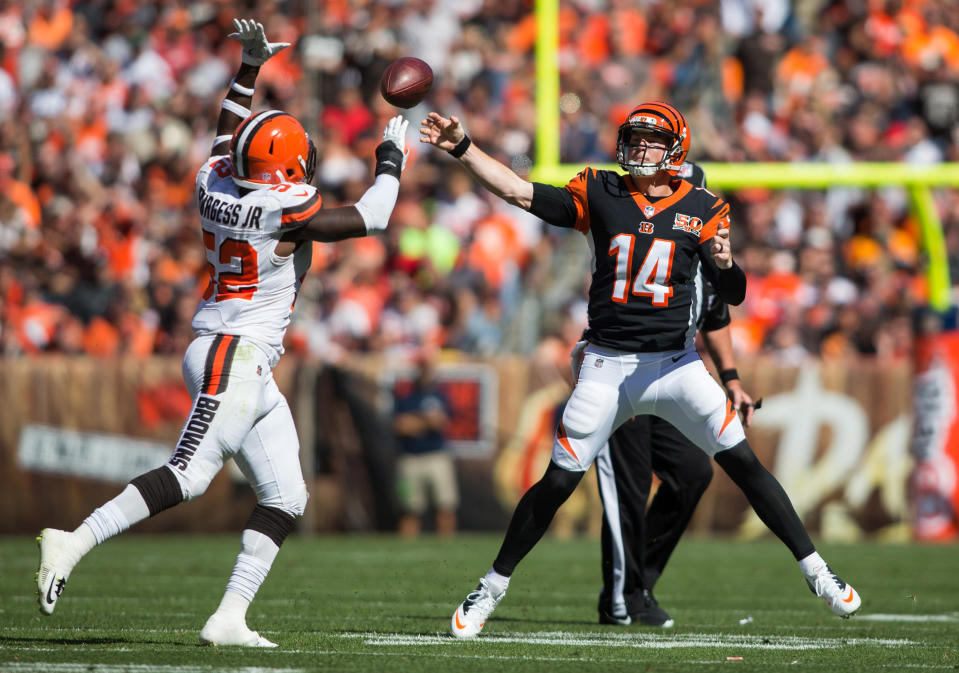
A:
x: 460, y: 148
x: 728, y: 375
x: 389, y: 159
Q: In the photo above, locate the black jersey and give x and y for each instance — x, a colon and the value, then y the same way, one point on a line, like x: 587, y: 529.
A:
x: 644, y: 295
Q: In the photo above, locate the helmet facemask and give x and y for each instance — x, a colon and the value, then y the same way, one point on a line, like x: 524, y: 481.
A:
x: 637, y: 139
x: 309, y: 164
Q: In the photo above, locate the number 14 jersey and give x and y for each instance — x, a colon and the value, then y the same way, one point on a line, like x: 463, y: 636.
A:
x: 645, y: 293
x: 251, y: 290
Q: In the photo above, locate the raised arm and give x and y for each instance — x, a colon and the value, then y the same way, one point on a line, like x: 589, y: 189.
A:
x: 236, y: 106
x: 372, y: 212
x: 447, y: 133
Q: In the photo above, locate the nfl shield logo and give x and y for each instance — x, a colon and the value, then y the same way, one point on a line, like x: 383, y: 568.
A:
x: 649, y: 211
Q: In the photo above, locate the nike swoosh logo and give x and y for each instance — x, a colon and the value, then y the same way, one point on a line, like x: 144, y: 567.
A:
x: 677, y: 358
x: 460, y: 625
x: 53, y: 582
x: 849, y: 599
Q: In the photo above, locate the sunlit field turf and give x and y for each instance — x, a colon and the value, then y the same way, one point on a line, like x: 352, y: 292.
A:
x: 351, y: 603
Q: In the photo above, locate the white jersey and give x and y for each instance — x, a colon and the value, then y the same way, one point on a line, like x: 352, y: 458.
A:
x: 252, y: 289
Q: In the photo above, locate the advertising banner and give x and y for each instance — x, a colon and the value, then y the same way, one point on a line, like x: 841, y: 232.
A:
x: 935, y: 441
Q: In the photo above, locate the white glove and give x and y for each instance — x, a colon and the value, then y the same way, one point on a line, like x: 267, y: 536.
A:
x: 256, y: 49
x: 395, y: 132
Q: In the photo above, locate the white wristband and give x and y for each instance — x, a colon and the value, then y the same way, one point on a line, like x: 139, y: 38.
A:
x: 376, y: 205
x: 240, y: 89
x: 235, y: 108
x: 220, y: 139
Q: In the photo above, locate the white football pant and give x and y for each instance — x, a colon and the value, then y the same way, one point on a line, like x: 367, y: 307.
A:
x: 238, y: 412
x: 614, y: 386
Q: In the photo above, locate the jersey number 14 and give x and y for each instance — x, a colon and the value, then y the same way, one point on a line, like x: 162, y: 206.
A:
x: 652, y: 279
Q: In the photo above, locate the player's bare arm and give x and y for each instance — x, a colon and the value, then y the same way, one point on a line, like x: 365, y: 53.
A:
x: 237, y: 104
x: 447, y: 133
x: 719, y: 343
x: 372, y: 212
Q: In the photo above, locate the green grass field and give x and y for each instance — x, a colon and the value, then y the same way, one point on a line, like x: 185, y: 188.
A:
x: 365, y: 603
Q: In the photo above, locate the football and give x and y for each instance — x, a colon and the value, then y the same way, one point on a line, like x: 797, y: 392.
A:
x: 406, y: 81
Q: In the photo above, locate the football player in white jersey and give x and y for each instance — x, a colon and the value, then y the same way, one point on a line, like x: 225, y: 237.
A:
x: 259, y: 214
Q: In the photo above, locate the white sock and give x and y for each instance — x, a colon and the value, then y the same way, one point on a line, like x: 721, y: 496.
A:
x: 253, y: 563
x: 811, y: 564
x: 112, y: 518
x: 498, y: 583
x: 233, y: 604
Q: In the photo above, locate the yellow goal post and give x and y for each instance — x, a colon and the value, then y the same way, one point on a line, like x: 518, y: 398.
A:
x: 916, y: 180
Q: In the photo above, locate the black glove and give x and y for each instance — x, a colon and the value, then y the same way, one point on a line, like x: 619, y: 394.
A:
x: 389, y: 159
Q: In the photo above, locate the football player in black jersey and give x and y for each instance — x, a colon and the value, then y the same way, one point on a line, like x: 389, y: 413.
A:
x: 636, y: 542
x: 651, y: 233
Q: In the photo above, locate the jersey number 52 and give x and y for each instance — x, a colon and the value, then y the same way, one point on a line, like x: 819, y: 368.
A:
x: 652, y: 279
x: 233, y: 268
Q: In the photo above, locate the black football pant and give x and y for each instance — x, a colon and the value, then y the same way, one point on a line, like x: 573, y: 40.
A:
x: 636, y: 542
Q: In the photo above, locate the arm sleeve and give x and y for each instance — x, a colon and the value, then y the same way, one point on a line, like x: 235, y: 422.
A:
x: 716, y: 314
x: 553, y: 205
x: 730, y: 283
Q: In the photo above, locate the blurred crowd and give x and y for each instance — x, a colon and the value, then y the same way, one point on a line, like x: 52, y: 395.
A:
x: 108, y: 107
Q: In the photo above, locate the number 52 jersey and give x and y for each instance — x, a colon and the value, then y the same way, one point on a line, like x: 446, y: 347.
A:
x: 252, y: 289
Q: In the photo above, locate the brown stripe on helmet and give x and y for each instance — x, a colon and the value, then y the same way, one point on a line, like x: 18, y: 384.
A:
x: 245, y: 136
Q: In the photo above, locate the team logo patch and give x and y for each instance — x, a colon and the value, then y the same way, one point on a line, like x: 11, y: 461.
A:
x: 649, y: 211
x: 599, y: 363
x: 688, y: 223
x: 646, y: 227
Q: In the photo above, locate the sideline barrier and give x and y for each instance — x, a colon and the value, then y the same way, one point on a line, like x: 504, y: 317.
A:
x: 73, y: 430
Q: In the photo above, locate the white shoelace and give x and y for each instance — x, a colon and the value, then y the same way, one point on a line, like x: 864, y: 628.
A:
x: 483, y: 599
x: 827, y: 583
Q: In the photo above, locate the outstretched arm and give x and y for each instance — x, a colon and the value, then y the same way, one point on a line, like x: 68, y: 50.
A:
x: 446, y: 133
x: 372, y: 212
x: 236, y: 105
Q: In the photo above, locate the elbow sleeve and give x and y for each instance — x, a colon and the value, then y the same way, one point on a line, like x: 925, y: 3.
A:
x: 376, y: 205
x: 732, y: 285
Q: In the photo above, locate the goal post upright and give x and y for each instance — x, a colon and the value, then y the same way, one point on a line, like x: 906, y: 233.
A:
x: 917, y: 180
x: 547, y: 83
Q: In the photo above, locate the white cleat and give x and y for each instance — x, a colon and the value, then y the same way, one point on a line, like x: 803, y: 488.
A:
x: 471, y: 615
x: 841, y: 598
x: 223, y: 630
x: 59, y: 553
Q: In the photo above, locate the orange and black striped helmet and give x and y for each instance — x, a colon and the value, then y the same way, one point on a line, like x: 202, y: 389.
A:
x: 660, y: 119
x: 271, y: 147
